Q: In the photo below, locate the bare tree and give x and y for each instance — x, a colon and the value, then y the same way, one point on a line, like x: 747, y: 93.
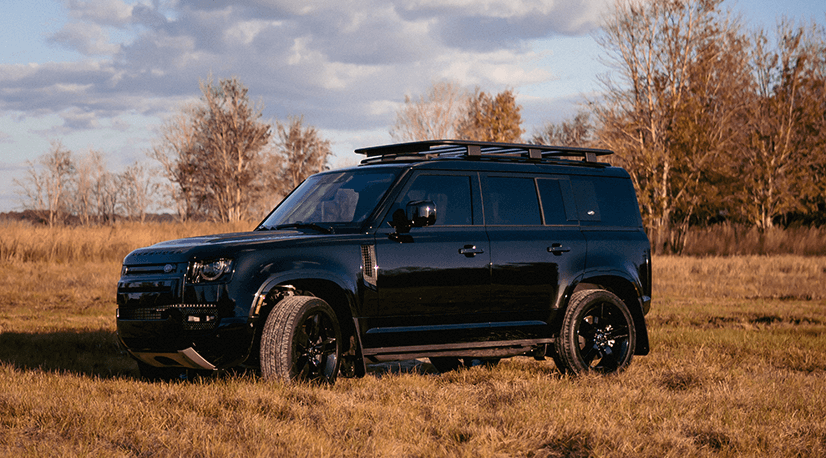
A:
x: 137, y: 190
x: 85, y: 200
x: 492, y: 118
x: 47, y: 187
x: 176, y: 151
x: 431, y: 117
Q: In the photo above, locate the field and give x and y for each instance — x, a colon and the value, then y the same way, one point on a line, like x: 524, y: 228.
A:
x: 737, y: 368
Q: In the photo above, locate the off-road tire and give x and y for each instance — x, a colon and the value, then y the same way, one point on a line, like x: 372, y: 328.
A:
x: 597, y: 334
x: 301, y: 341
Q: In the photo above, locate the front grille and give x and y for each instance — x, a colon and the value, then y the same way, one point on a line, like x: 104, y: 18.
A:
x: 193, y: 317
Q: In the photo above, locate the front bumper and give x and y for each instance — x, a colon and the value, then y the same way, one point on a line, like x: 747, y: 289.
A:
x: 168, y: 342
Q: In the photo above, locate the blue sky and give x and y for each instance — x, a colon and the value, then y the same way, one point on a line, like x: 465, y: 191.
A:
x: 103, y: 74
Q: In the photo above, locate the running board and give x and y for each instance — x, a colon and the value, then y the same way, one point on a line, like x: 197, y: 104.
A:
x: 478, y: 349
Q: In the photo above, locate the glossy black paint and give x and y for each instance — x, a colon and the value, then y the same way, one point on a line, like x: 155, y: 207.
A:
x: 467, y: 288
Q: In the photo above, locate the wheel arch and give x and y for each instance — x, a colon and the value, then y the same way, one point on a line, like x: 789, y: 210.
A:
x: 628, y: 291
x: 335, y: 291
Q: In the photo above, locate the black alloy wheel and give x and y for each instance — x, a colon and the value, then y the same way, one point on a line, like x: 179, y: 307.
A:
x: 597, y: 334
x: 301, y: 341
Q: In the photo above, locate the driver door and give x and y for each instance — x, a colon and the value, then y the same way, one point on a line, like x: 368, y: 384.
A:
x: 433, y: 282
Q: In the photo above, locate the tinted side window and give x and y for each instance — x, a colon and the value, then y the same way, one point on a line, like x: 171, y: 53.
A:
x: 606, y: 201
x: 511, y: 201
x: 450, y: 194
x: 553, y: 205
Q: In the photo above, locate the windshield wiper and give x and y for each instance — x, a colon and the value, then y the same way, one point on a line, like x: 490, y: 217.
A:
x: 318, y: 227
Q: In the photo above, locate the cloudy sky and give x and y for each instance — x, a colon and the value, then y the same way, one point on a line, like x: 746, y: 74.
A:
x: 103, y: 74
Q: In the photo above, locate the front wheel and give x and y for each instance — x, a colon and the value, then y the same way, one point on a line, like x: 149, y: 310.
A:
x: 597, y: 334
x: 301, y: 340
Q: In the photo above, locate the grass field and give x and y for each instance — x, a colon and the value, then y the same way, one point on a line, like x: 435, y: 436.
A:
x: 737, y: 368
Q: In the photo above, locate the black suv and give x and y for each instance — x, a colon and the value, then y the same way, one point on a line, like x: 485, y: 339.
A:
x: 462, y: 252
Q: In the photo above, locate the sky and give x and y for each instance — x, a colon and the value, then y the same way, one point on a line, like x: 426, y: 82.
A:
x: 105, y: 74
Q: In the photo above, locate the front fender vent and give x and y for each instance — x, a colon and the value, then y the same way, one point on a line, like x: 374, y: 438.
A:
x: 369, y: 268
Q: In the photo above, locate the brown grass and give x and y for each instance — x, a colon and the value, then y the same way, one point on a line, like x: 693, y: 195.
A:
x: 23, y: 241
x: 736, y: 369
x: 735, y: 240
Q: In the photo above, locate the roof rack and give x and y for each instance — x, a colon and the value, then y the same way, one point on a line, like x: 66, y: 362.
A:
x: 431, y: 149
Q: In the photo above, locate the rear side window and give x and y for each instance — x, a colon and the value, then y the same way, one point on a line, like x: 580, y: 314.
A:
x: 553, y: 205
x: 606, y: 201
x: 511, y: 201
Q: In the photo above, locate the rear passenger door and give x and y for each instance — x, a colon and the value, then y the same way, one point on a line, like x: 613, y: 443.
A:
x: 536, y: 248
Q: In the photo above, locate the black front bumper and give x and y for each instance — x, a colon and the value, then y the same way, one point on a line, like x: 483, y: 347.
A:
x: 163, y: 321
x: 168, y: 342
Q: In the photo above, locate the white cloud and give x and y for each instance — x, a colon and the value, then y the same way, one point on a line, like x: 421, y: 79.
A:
x: 345, y: 65
x: 104, y: 12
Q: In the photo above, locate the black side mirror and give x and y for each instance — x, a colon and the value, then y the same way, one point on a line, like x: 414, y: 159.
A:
x: 421, y: 213
x: 418, y: 214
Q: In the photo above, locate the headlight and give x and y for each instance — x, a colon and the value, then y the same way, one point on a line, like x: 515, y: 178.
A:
x: 202, y: 271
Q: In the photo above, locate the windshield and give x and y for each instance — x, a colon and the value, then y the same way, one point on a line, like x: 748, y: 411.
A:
x: 332, y: 201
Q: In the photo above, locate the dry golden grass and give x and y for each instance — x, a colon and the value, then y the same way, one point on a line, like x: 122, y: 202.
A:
x: 737, y: 368
x: 730, y: 239
x: 22, y: 241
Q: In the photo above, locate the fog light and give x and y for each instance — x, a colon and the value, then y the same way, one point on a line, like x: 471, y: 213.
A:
x: 200, y: 319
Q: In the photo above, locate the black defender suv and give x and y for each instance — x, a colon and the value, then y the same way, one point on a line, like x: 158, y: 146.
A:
x: 462, y: 252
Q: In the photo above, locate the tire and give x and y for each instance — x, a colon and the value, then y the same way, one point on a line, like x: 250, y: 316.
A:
x: 451, y: 363
x: 301, y: 341
x: 597, y: 334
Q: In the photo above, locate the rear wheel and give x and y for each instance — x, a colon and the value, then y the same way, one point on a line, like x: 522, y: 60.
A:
x: 597, y: 334
x: 301, y: 340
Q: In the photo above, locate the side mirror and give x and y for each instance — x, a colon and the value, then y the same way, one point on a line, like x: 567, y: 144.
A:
x: 418, y: 214
x: 421, y: 213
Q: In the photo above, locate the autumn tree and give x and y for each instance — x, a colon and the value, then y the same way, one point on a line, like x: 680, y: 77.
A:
x: 430, y: 117
x: 578, y: 131
x: 776, y: 167
x: 212, y: 152
x: 298, y: 151
x: 491, y: 118
x: 671, y: 102
x: 812, y: 127
x: 229, y: 140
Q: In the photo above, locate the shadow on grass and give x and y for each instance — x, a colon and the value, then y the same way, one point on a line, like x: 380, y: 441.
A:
x: 97, y: 354
x: 90, y: 353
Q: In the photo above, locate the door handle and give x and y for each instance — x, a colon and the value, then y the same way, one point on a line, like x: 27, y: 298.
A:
x: 558, y: 249
x: 470, y: 251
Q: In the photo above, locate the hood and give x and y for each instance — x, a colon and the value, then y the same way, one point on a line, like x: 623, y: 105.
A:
x: 181, y: 250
